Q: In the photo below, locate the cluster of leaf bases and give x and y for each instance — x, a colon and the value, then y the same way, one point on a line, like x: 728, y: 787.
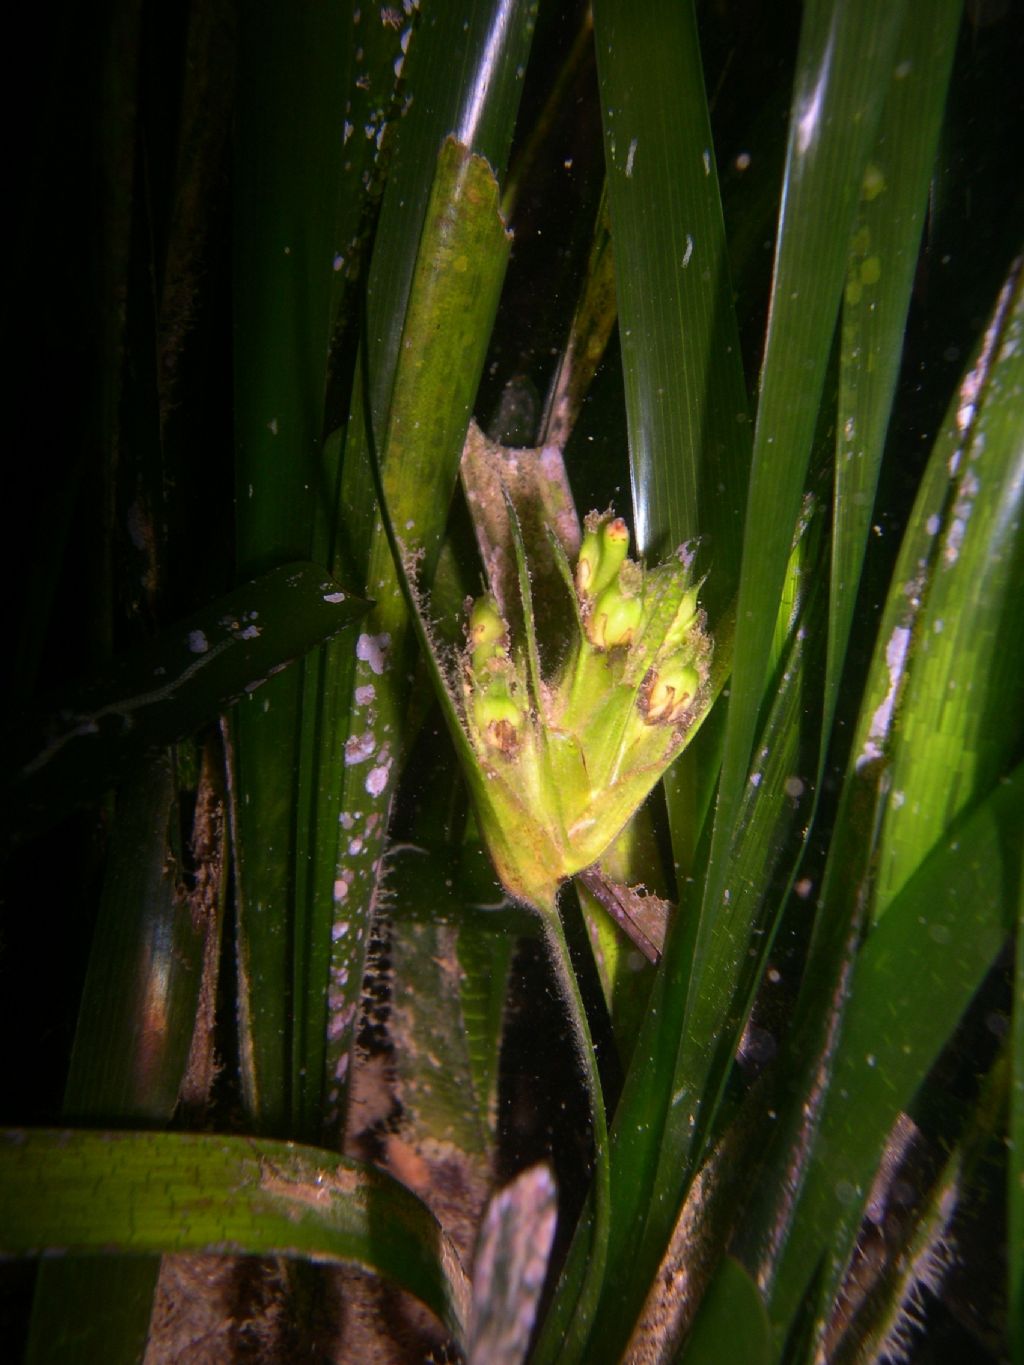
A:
x: 565, y: 758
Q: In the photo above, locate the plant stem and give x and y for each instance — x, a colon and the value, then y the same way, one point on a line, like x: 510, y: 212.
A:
x: 562, y: 1340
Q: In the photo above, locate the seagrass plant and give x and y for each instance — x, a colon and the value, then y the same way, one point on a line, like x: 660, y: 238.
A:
x: 515, y: 845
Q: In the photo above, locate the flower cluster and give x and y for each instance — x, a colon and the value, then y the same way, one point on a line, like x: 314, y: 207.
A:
x: 566, y: 756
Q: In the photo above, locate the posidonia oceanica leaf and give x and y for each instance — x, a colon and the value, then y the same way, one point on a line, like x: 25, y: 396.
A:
x: 296, y: 855
x: 877, y: 1315
x: 589, y: 332
x: 935, y: 563
x: 455, y: 934
x: 951, y: 646
x: 843, y: 74
x: 72, y: 747
x: 382, y: 40
x: 147, y: 950
x: 149, y: 961
x: 685, y: 393
x: 732, y: 1324
x: 363, y: 712
x: 686, y: 402
x: 376, y: 56
x: 510, y: 1265
x: 296, y: 80
x: 452, y: 303
x: 464, y: 73
x: 949, y: 921
x: 883, y: 258
x: 288, y: 160
x: 81, y: 1192
x: 660, y: 1129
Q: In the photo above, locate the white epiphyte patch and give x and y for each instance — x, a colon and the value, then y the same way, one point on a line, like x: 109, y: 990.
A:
x: 377, y: 779
x: 340, y: 1019
x: 373, y: 650
x: 895, y: 659
x: 358, y: 749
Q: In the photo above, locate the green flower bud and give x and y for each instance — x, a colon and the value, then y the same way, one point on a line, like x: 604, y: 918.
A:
x: 487, y: 633
x: 498, y: 719
x: 604, y: 548
x: 668, y: 691
x: 614, y: 619
x: 684, y: 619
x: 588, y: 563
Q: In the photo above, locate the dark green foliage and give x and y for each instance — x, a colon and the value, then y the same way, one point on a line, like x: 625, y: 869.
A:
x: 259, y: 285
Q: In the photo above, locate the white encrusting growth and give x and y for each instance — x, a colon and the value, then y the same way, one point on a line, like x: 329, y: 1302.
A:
x: 377, y: 779
x: 359, y: 748
x: 895, y: 659
x: 373, y: 650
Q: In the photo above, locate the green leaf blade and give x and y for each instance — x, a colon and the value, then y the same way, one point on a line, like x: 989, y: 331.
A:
x: 950, y: 920
x: 953, y: 733
x: 685, y: 393
x: 72, y: 747
x: 89, y: 1193
x: 455, y: 285
x: 843, y: 72
x: 883, y: 260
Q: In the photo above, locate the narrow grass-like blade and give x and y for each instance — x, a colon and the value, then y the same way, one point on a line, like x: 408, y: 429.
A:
x: 132, y: 1041
x: 650, y: 1177
x: 950, y: 920
x: 732, y: 1324
x: 142, y: 986
x: 685, y: 395
x: 880, y: 274
x: 843, y: 73
x: 71, y: 748
x: 945, y: 683
x: 363, y: 711
x: 878, y: 1312
x: 83, y: 1192
x: 930, y: 586
x: 291, y: 750
x: 509, y: 1268
x: 592, y: 324
x: 451, y: 307
x: 289, y: 150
